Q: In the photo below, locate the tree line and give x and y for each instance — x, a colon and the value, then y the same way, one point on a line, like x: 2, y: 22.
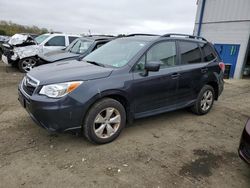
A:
x: 9, y: 28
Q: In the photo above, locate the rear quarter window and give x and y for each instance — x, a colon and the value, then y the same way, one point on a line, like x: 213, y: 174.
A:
x: 208, y: 52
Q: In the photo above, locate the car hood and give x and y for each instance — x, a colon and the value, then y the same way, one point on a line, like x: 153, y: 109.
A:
x: 68, y: 71
x: 62, y: 55
x: 21, y: 40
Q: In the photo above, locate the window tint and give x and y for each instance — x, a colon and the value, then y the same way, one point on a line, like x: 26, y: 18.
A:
x: 207, y: 52
x: 190, y: 52
x: 71, y: 39
x: 165, y: 52
x: 56, y: 41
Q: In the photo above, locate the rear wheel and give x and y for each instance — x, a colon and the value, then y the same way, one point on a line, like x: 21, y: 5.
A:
x: 104, y: 121
x: 204, y: 101
x: 27, y: 64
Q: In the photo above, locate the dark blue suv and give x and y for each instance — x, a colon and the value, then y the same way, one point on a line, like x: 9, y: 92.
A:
x: 128, y: 78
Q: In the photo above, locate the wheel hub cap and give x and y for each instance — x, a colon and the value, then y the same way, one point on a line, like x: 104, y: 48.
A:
x: 107, y: 122
x: 207, y: 100
x: 28, y: 64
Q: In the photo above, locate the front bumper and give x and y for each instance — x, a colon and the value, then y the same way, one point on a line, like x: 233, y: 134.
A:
x: 55, y: 115
x: 244, y: 148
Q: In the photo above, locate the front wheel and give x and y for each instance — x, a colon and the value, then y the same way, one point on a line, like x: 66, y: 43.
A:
x: 25, y: 65
x: 104, y: 121
x: 204, y: 101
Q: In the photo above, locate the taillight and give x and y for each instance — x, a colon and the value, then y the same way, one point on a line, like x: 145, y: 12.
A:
x: 222, y: 66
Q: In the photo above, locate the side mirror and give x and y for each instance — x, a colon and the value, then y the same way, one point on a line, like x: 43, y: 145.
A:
x: 152, y: 66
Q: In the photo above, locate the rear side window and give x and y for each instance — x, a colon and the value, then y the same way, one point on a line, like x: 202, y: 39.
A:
x: 71, y: 39
x: 56, y: 41
x: 207, y: 52
x: 190, y: 52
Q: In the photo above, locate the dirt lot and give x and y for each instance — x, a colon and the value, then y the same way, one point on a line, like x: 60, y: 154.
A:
x: 176, y: 149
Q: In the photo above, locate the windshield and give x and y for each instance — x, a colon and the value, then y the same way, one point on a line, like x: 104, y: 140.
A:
x: 79, y: 46
x: 116, y: 53
x: 41, y: 38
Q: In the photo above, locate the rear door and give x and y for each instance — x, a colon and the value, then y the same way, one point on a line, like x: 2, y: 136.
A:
x: 157, y: 91
x: 192, y: 72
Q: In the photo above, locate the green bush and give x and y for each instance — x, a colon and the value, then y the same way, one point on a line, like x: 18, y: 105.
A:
x: 9, y: 28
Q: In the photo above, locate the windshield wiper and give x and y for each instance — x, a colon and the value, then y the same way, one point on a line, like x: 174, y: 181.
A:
x: 95, y: 63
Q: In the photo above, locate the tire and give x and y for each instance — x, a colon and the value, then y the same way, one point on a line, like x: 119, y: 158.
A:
x: 26, y: 64
x: 101, y: 117
x: 204, y: 103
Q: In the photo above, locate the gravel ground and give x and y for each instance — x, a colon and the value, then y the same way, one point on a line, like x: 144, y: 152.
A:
x: 177, y: 149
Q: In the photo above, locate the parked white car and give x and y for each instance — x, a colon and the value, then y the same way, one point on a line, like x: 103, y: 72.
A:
x: 23, y: 50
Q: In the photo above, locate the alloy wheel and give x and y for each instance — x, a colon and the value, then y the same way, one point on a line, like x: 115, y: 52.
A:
x: 28, y: 64
x: 207, y: 100
x: 107, y: 122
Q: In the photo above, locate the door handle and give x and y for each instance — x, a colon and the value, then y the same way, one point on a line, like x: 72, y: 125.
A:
x: 175, y: 75
x: 204, y: 70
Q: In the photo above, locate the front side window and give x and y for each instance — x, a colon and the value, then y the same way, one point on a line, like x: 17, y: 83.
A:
x: 164, y: 52
x: 80, y: 46
x: 56, y: 41
x: 116, y: 53
x: 208, y: 54
x: 141, y: 64
x: 190, y: 52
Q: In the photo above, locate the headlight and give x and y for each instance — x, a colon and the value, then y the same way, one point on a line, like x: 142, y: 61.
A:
x: 60, y: 89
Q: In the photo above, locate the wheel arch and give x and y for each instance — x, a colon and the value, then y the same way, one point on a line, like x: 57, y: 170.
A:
x: 118, y: 95
x: 215, y: 87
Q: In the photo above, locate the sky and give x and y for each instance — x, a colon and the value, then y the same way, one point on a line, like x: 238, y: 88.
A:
x: 103, y: 16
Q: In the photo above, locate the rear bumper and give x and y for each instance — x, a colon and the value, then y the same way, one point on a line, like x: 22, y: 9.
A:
x: 244, y: 148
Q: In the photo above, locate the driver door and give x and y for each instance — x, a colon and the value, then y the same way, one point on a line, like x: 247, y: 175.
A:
x: 156, y: 92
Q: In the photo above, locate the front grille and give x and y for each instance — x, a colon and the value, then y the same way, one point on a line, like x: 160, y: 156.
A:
x: 29, y: 85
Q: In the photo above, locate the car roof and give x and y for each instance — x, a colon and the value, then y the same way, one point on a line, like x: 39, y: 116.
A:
x: 64, y: 34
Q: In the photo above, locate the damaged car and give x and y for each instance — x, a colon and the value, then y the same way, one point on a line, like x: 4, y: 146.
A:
x: 22, y: 50
x: 3, y: 39
x: 78, y: 49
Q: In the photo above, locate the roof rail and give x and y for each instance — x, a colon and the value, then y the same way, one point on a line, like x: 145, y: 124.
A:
x: 99, y: 35
x: 140, y: 34
x: 184, y: 35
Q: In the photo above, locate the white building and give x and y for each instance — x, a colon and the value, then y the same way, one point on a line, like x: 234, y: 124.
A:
x: 226, y: 23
